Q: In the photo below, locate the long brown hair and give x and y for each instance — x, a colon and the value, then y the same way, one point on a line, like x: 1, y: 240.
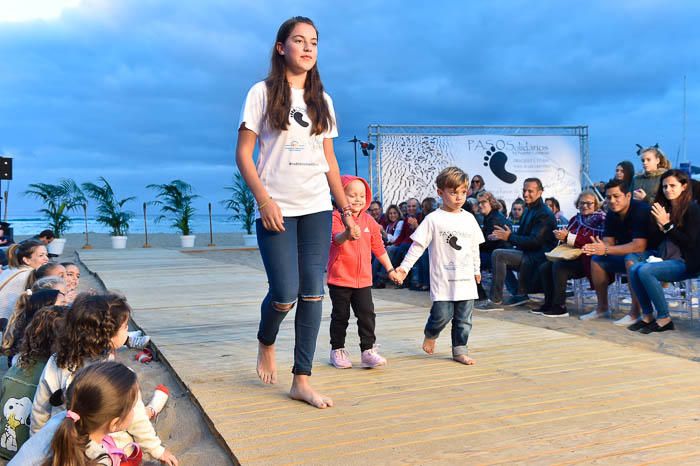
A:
x: 684, y: 200
x: 89, y: 327
x: 26, y: 307
x: 99, y: 393
x: 39, y: 336
x: 279, y: 96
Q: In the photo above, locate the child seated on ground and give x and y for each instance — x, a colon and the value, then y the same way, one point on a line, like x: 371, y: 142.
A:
x: 96, y: 325
x: 20, y: 381
x: 452, y: 237
x: 103, y: 399
x: 27, y: 305
x: 72, y: 280
x: 350, y: 275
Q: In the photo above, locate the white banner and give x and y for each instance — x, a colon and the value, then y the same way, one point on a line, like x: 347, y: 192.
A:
x: 409, y: 165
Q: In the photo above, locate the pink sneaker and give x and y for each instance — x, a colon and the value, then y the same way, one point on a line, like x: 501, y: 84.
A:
x: 340, y: 358
x: 370, y: 358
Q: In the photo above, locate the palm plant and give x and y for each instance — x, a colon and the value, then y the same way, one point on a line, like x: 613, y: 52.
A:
x: 59, y: 199
x: 110, y: 210
x: 175, y: 201
x: 241, y: 203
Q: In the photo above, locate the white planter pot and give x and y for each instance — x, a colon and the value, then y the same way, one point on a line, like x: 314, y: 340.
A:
x: 250, y: 240
x: 119, y: 242
x: 187, y: 241
x: 56, y: 246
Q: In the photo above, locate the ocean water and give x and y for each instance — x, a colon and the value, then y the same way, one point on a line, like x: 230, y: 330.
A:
x: 30, y: 225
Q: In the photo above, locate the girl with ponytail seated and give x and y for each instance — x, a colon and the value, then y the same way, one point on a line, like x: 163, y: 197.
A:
x: 102, y: 400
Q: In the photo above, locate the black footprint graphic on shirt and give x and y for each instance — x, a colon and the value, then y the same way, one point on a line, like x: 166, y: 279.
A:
x: 452, y: 241
x: 299, y: 118
x: 496, y: 160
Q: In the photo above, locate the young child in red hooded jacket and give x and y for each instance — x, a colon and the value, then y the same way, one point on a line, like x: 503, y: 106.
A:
x: 350, y: 275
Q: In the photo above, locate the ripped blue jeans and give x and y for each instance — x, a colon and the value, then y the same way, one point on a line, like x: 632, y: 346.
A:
x: 295, y: 260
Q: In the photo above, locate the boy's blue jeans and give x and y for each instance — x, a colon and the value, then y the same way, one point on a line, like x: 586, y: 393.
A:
x: 460, y: 313
x: 295, y: 260
x: 646, y: 279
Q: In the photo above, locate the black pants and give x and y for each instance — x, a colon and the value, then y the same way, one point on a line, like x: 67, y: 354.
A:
x: 554, y: 276
x: 361, y: 301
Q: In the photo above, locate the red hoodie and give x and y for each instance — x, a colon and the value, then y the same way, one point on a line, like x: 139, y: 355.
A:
x: 350, y: 263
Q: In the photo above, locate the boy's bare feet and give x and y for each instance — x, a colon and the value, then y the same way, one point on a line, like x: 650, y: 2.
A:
x: 267, y: 368
x: 464, y: 359
x: 428, y: 345
x: 301, y: 390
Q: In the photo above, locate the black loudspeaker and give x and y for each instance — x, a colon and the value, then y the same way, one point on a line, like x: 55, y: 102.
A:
x: 5, y: 168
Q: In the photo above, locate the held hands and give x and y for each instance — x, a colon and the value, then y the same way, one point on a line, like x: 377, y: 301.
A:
x: 595, y: 248
x: 500, y: 233
x: 271, y: 215
x: 639, y: 194
x: 400, y: 275
x: 394, y: 277
x: 660, y: 214
x: 561, y: 234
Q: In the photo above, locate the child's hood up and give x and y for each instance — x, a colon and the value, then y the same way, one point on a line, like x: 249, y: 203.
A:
x: 347, y: 179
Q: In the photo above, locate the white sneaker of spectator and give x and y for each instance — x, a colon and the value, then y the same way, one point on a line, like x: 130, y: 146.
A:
x: 596, y: 315
x: 626, y: 321
x: 137, y: 340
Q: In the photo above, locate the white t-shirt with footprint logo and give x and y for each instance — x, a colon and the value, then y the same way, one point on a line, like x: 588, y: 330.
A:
x: 452, y: 239
x: 291, y: 164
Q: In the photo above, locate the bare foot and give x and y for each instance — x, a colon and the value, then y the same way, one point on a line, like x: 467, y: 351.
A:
x: 267, y: 368
x: 301, y: 390
x: 428, y: 345
x: 464, y: 359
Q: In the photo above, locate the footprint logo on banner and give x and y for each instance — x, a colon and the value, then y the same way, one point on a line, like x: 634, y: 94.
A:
x: 496, y: 161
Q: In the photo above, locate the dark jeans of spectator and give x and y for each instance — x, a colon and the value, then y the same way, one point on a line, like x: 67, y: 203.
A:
x: 646, y: 279
x: 503, y: 261
x: 295, y: 260
x: 361, y: 301
x: 378, y: 272
x: 554, y: 276
x: 420, y: 275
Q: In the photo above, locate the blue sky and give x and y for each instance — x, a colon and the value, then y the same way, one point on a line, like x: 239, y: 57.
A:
x: 146, y: 91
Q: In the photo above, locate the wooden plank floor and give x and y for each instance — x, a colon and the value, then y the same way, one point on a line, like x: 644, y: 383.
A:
x: 536, y: 396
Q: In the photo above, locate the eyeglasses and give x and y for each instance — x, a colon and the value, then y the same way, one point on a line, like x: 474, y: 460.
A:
x: 586, y: 204
x: 483, y: 202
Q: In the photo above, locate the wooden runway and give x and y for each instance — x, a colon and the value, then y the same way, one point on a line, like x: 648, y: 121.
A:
x: 536, y: 396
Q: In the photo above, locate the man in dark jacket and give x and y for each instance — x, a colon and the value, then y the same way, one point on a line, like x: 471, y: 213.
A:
x: 535, y: 237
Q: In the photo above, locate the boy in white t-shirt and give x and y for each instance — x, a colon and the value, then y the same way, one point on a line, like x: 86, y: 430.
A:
x: 452, y: 236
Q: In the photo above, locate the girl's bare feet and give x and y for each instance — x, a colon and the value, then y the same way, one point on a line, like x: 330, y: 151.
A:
x: 464, y: 359
x: 267, y: 368
x: 301, y: 390
x: 428, y: 345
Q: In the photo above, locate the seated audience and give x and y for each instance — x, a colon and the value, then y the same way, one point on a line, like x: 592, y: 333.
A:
x: 393, y: 229
x: 503, y: 208
x: 72, y: 280
x: 24, y: 258
x: 626, y: 238
x: 476, y: 187
x: 21, y: 380
x: 517, y: 208
x: 490, y: 210
x: 646, y: 184
x: 534, y: 238
x: 677, y: 217
x: 582, y: 229
x: 625, y: 171
x: 554, y: 206
x: 403, y: 207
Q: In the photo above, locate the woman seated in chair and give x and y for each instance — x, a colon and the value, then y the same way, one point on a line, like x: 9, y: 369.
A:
x: 587, y: 224
x: 678, y: 219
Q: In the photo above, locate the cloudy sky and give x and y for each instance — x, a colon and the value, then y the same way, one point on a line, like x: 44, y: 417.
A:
x: 146, y: 91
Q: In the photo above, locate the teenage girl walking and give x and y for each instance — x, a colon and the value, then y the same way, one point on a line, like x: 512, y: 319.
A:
x: 292, y: 120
